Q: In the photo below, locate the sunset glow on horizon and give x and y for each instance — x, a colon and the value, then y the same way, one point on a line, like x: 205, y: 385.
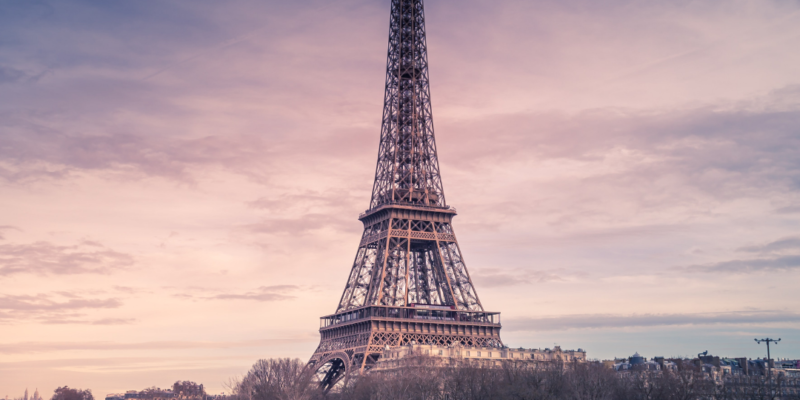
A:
x: 181, y: 181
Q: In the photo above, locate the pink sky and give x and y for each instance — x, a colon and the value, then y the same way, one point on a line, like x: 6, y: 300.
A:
x: 181, y: 182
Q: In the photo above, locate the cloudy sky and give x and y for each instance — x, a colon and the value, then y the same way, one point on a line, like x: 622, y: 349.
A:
x: 180, y: 181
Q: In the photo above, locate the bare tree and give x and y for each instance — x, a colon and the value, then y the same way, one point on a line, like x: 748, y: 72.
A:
x: 591, y: 381
x: 419, y: 378
x: 276, y: 379
x: 188, y: 390
x: 66, y: 393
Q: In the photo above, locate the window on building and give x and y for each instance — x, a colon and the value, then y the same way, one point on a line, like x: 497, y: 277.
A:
x: 426, y: 352
x: 479, y: 354
x: 467, y: 354
x: 490, y: 354
x: 441, y: 352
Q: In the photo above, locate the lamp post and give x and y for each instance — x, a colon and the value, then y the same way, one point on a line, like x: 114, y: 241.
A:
x: 767, y: 341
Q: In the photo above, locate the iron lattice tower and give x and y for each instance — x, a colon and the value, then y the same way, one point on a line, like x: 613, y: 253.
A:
x: 409, y: 281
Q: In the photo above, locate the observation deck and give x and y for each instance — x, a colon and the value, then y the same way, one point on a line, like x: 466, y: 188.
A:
x: 419, y: 313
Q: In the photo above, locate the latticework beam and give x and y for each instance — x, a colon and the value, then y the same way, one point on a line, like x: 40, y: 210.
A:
x: 408, y: 282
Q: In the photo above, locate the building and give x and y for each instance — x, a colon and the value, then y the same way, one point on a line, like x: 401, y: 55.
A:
x: 737, y: 377
x: 636, y: 362
x: 458, y: 355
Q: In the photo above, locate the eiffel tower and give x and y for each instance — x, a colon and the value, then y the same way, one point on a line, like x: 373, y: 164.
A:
x: 409, y: 282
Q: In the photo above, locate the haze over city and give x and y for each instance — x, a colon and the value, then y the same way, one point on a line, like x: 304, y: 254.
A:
x: 181, y: 181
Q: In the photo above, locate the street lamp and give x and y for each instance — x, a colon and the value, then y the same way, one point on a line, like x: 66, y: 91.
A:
x: 767, y: 340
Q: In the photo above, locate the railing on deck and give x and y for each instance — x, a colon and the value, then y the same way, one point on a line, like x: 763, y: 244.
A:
x: 403, y: 203
x: 481, y: 317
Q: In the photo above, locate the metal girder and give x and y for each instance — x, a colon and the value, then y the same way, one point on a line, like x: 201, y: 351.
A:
x: 404, y: 261
x: 408, y: 282
x: 408, y: 168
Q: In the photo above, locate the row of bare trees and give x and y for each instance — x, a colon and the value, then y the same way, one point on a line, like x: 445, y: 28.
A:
x: 286, y: 379
x: 181, y: 390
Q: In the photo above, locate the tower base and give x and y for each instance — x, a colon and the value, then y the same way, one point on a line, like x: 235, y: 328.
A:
x: 353, y: 341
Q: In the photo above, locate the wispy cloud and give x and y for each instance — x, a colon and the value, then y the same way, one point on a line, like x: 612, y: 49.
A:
x: 615, y: 321
x: 306, y: 212
x: 260, y: 294
x: 302, y: 224
x: 788, y: 210
x: 776, y: 256
x: 720, y: 152
x: 782, y: 244
x: 64, y: 308
x: 10, y: 75
x: 784, y: 263
x: 263, y: 293
x: 44, y: 258
x: 307, y: 200
x: 496, y: 277
x: 46, y: 303
x: 85, y: 321
x: 25, y: 156
x: 7, y: 228
x: 130, y: 290
x: 37, y: 347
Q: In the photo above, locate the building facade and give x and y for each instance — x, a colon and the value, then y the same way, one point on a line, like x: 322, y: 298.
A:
x: 475, y: 356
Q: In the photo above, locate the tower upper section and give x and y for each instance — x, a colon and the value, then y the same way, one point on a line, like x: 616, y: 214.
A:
x: 408, y: 167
